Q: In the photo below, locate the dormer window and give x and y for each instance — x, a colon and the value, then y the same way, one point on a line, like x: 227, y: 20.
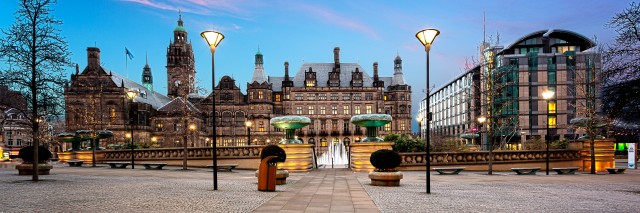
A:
x: 310, y: 78
x: 356, y: 78
x: 334, y: 79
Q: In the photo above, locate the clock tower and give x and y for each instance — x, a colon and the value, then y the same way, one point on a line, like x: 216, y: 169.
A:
x: 180, y: 63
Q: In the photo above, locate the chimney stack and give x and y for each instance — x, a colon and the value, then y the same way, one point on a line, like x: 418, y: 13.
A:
x: 336, y: 59
x: 375, y: 69
x: 93, y: 57
x: 286, y: 70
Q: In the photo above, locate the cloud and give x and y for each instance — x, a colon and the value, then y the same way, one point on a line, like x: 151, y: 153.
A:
x: 232, y: 8
x: 333, y: 17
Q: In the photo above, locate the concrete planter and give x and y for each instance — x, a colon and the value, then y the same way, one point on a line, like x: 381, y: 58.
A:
x: 385, y: 178
x: 27, y: 169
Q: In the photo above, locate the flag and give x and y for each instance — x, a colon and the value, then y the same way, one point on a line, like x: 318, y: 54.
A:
x: 128, y: 53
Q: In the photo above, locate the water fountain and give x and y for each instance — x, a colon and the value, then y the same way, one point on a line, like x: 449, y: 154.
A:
x: 299, y: 156
x: 371, y: 122
x: 336, y: 154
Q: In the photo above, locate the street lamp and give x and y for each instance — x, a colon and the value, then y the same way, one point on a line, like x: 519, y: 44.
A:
x: 213, y: 38
x: 193, y: 128
x: 248, y: 125
x: 547, y: 95
x: 481, y: 121
x: 426, y: 37
x: 131, y: 94
x: 419, y: 120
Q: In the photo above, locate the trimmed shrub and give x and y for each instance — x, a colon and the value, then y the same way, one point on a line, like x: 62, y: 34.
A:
x: 405, y: 143
x: 273, y: 150
x: 559, y: 144
x: 385, y: 160
x: 26, y: 154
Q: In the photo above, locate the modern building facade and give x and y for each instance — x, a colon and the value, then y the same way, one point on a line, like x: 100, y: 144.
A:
x: 507, y: 86
x: 328, y: 93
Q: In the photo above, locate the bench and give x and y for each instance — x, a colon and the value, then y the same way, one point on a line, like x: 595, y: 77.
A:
x: 225, y: 167
x: 449, y: 171
x: 526, y: 171
x: 75, y: 163
x: 157, y: 166
x: 566, y: 171
x: 616, y: 170
x: 118, y: 165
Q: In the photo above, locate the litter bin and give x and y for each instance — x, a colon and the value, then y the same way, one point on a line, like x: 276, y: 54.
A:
x: 267, y: 175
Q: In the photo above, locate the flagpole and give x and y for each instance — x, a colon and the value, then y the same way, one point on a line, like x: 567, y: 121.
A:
x: 126, y: 63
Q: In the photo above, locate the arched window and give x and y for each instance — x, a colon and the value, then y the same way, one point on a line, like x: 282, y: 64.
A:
x: 226, y: 118
x: 239, y: 118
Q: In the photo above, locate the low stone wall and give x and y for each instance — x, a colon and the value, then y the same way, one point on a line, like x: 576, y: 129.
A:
x: 248, y: 157
x: 502, y: 160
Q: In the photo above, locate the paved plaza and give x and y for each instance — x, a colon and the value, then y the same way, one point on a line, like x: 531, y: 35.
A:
x: 102, y: 189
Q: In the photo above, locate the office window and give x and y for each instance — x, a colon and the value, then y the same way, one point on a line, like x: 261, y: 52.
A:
x: 387, y: 127
x: 357, y: 109
x: 369, y: 109
x: 311, y: 97
x: 322, y: 97
x: 260, y: 95
x: 323, y: 110
x: 346, y: 97
x: 402, y: 125
x: 310, y: 83
x: 345, y: 109
x: 334, y: 96
x: 551, y: 121
x: 311, y: 110
x: 357, y: 96
x: 277, y: 97
x: 368, y: 96
x: 299, y: 110
x: 334, y: 110
x: 552, y: 106
x: 299, y: 97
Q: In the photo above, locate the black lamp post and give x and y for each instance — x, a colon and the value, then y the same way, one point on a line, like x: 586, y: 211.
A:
x: 547, y: 95
x: 481, y: 121
x: 426, y: 37
x: 248, y: 124
x: 131, y: 94
x: 213, y: 38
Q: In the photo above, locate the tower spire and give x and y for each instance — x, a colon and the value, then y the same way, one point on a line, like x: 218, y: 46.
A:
x: 180, y: 18
x: 258, y: 72
x: 147, y: 77
x: 398, y: 76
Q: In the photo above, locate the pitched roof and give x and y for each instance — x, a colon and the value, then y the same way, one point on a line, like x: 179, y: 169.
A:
x: 156, y: 100
x: 178, y: 105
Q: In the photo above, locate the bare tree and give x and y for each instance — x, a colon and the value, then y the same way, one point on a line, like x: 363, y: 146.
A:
x: 621, y: 60
x: 620, y: 66
x: 38, y: 53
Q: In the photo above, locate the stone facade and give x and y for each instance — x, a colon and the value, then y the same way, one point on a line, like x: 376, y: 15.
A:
x: 328, y: 93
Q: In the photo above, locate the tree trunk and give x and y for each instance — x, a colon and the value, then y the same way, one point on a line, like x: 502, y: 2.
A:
x: 593, y: 156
